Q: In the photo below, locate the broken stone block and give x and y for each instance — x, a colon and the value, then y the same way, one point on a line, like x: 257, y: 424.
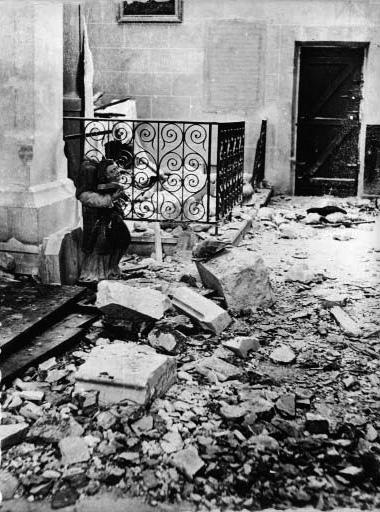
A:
x: 263, y: 443
x: 316, y: 424
x: 261, y: 408
x: 242, y: 345
x: 56, y: 375
x: 288, y: 232
x: 300, y: 272
x: 73, y: 449
x: 312, y: 218
x: 167, y: 342
x: 336, y: 217
x: 172, y: 442
x: 330, y: 299
x: 31, y: 411
x: 147, y: 301
x: 346, y: 323
x: 240, y: 277
x: 47, y: 365
x: 187, y: 461
x: 233, y: 412
x: 352, y: 473
x: 8, y: 485
x: 126, y: 372
x: 208, y: 314
x: 106, y: 420
x: 221, y: 369
x: 144, y: 424
x: 12, y: 434
x: 64, y: 497
x: 50, y: 429
x: 283, y: 354
x: 32, y: 396
x: 266, y: 213
x: 371, y: 433
x: 286, y: 405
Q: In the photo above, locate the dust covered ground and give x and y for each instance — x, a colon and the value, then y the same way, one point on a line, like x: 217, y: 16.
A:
x: 293, y: 427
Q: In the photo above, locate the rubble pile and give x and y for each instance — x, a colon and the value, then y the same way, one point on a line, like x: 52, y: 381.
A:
x: 271, y: 406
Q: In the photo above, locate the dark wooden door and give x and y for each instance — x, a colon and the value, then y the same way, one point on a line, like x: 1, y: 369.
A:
x: 327, y: 156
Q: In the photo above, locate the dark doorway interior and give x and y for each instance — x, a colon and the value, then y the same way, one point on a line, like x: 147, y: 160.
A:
x: 328, y: 126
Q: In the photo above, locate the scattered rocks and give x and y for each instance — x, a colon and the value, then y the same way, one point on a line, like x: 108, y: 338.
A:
x: 233, y: 412
x: 106, y: 420
x: 47, y: 365
x: 52, y: 429
x: 218, y: 368
x: 73, y: 449
x: 301, y: 273
x: 346, y: 323
x: 283, y: 355
x: 172, y: 442
x: 8, y: 485
x: 242, y: 345
x: 32, y: 396
x: 316, y: 424
x: 64, y: 497
x: 286, y: 405
x: 187, y: 461
x: 31, y: 411
x: 166, y: 342
x: 312, y: 218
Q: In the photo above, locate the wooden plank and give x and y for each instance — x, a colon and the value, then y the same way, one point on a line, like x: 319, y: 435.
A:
x: 27, y: 309
x: 53, y: 341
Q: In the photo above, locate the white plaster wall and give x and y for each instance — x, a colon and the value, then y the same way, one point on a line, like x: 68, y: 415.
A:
x: 165, y: 66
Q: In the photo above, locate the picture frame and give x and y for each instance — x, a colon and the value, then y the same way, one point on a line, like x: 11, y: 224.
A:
x: 151, y: 11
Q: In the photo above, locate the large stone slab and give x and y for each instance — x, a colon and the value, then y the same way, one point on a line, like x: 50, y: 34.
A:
x: 208, y: 314
x: 240, y: 276
x: 12, y: 434
x: 126, y: 371
x: 147, y: 301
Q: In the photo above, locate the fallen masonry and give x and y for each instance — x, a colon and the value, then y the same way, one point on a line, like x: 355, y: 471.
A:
x: 242, y: 345
x: 12, y: 434
x: 348, y: 325
x: 146, y: 301
x: 125, y: 371
x: 208, y: 314
x: 278, y: 410
x: 187, y: 461
x: 240, y: 277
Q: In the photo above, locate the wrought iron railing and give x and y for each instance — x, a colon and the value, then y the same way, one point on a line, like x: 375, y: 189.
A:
x: 177, y: 171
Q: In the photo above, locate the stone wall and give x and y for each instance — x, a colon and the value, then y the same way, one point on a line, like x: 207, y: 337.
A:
x: 36, y: 197
x: 229, y: 60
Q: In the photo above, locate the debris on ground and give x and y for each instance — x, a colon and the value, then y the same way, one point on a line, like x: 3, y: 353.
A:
x: 274, y: 406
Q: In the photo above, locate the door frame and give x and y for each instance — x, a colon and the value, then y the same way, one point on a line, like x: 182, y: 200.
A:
x: 297, y: 68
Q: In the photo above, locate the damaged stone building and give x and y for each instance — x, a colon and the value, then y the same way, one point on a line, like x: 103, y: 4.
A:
x: 189, y: 255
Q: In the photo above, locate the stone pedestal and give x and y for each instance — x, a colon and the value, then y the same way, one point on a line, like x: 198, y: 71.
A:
x: 36, y: 197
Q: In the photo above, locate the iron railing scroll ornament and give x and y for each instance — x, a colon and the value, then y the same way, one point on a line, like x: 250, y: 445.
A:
x: 175, y: 171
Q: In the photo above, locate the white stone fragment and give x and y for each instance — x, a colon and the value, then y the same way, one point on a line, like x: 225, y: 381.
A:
x: 146, y: 301
x: 126, y: 371
x: 208, y: 314
x: 240, y: 277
